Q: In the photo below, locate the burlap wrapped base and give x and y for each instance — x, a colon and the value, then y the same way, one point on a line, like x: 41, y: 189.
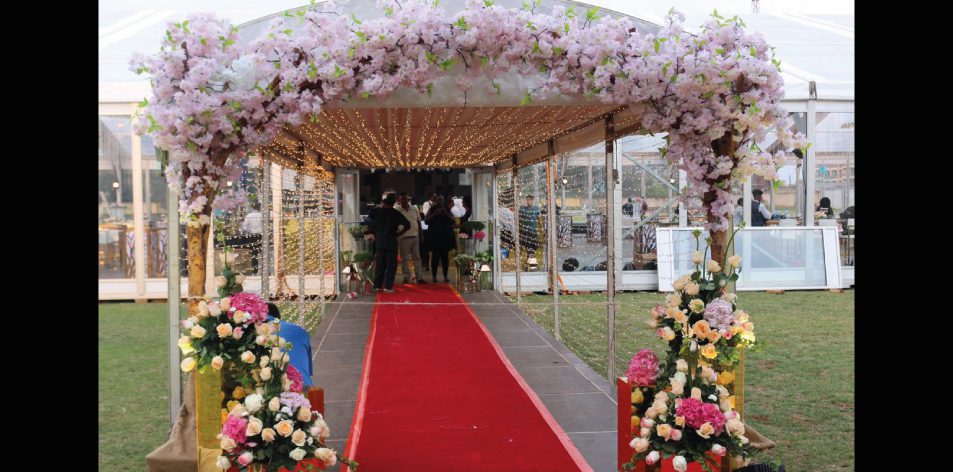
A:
x: 178, y: 454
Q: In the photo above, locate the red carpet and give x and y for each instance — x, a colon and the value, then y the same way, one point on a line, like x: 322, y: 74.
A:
x: 437, y: 394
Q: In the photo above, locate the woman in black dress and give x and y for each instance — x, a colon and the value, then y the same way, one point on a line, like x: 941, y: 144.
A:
x: 440, y: 237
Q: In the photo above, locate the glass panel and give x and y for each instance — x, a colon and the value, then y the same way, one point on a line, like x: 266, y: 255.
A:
x: 533, y: 208
x: 581, y: 211
x: 649, y: 198
x: 116, y: 230
x: 156, y: 211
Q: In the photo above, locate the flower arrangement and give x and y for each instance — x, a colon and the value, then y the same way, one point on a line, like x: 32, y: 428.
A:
x: 274, y: 427
x: 689, y: 413
x: 479, y: 235
x: 470, y: 226
x: 463, y: 235
x: 231, y: 330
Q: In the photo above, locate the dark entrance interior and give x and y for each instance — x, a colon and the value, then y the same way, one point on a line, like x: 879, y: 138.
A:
x: 417, y: 183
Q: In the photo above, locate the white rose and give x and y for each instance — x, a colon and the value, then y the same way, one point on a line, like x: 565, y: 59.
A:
x: 735, y: 427
x: 222, y: 463
x: 697, y: 393
x: 187, y: 364
x: 652, y: 458
x: 734, y: 261
x: 254, y: 426
x: 640, y: 444
x: 692, y: 289
x: 197, y: 332
x: 275, y: 404
x: 697, y: 257
x: 328, y: 456
x: 265, y: 374
x: 227, y: 443
x: 220, y: 281
x: 217, y: 362
x: 260, y: 340
x: 719, y: 450
x: 214, y: 309
x: 304, y: 414
x: 730, y: 297
x: 681, y: 365
x: 713, y: 266
x: 680, y: 464
x: 239, y: 316
x: 680, y: 377
x: 188, y: 323
x: 678, y: 388
x: 297, y: 454
x: 254, y: 402
x: 679, y: 283
x: 248, y: 358
x: 264, y: 361
x: 697, y: 305
x: 203, y: 309
x: 298, y: 437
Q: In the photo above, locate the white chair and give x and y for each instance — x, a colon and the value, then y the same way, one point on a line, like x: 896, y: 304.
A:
x: 787, y: 222
x: 827, y: 222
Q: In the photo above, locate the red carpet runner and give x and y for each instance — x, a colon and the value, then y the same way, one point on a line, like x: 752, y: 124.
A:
x: 437, y: 394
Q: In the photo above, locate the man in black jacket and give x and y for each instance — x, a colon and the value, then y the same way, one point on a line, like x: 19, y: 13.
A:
x: 387, y: 225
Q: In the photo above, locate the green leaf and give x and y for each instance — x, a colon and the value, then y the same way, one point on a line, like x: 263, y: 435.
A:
x: 592, y: 14
x: 656, y: 44
x: 287, y: 31
x: 203, y: 41
x: 497, y: 87
x: 529, y: 24
x: 716, y: 15
x: 338, y: 71
x: 566, y: 27
x: 362, y: 36
x: 754, y: 51
x: 558, y: 51
x: 571, y: 12
x: 536, y: 48
x: 235, y: 106
x: 448, y: 64
x: 484, y: 60
x: 431, y: 58
x: 390, y: 11
x: 435, y: 3
x: 429, y: 90
x: 144, y: 103
x: 720, y: 51
x: 354, y: 18
x: 665, y: 68
x: 278, y: 65
x: 462, y: 23
x: 525, y: 6
x: 526, y: 100
x: 489, y: 3
x: 313, y: 69
x: 365, y: 94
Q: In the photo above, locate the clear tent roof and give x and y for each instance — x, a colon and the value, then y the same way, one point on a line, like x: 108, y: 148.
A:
x: 814, y: 38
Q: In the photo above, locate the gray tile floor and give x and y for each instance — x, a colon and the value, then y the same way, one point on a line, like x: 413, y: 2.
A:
x: 580, y: 400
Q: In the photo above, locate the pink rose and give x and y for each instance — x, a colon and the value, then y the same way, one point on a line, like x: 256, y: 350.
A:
x: 245, y: 458
x: 652, y: 458
x: 675, y: 435
x: 719, y: 450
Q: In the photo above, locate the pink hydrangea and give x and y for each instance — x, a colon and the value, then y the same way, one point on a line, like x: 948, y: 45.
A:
x: 643, y: 368
x: 235, y: 427
x: 719, y: 315
x: 251, y: 304
x: 697, y: 413
x: 294, y: 376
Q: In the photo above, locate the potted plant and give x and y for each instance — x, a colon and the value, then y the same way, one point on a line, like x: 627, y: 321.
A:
x: 484, y: 262
x: 365, y: 264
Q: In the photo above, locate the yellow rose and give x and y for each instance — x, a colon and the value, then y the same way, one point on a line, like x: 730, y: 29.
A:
x: 680, y: 316
x: 203, y: 309
x: 265, y: 374
x: 713, y: 336
x: 298, y: 437
x: 726, y: 378
x: 740, y: 316
x: 634, y: 423
x: 231, y: 405
x: 225, y: 303
x: 187, y: 364
x: 285, y: 428
x: 696, y: 393
x: 731, y: 400
x: 666, y: 333
x: 709, y: 351
x: 701, y: 329
x: 691, y: 289
x: 713, y: 267
x: 238, y: 393
x: 679, y: 283
x: 697, y: 257
x: 274, y: 404
x: 637, y: 396
x: 673, y: 300
x: 185, y: 345
x: 268, y: 435
x: 681, y: 365
x: 197, y: 332
x: 663, y: 430
x: 734, y: 261
x: 304, y: 414
x: 706, y: 430
x: 680, y: 421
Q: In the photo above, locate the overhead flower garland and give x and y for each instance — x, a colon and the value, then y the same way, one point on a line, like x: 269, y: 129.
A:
x: 716, y: 93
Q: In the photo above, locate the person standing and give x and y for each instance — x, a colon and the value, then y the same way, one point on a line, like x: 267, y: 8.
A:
x: 409, y: 243
x: 759, y: 211
x: 388, y: 225
x: 628, y: 207
x: 440, y: 237
x: 739, y: 214
x: 529, y: 227
x: 424, y: 245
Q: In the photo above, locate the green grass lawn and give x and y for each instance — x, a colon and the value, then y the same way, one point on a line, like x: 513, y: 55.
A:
x: 799, y: 388
x: 133, y: 384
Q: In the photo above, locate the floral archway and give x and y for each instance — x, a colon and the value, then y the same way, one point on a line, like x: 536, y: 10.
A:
x: 715, y: 93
